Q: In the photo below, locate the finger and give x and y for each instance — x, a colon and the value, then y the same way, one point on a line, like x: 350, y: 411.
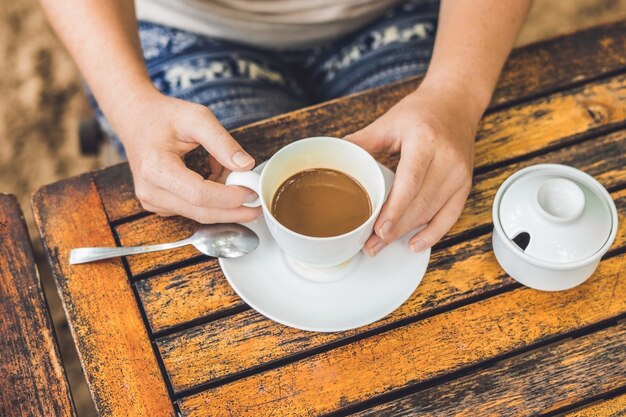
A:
x: 157, y: 210
x: 369, y: 138
x: 171, y: 174
x: 170, y: 204
x: 198, y: 124
x: 213, y: 215
x: 374, y: 245
x: 410, y: 175
x: 423, y: 208
x: 429, y: 200
x: 440, y: 224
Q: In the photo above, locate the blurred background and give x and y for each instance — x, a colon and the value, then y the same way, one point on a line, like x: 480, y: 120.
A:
x: 42, y: 103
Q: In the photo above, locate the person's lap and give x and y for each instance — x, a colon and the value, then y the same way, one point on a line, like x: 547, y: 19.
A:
x: 242, y: 85
x: 394, y: 47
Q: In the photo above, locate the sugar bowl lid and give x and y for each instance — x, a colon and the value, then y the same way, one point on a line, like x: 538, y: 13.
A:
x: 556, y: 214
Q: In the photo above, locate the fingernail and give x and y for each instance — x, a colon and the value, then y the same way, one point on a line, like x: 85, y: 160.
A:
x: 242, y: 159
x: 384, y: 229
x: 251, y: 197
x: 418, y: 246
x: 377, y: 248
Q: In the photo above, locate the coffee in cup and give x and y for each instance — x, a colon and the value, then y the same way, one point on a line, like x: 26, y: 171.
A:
x: 321, y: 202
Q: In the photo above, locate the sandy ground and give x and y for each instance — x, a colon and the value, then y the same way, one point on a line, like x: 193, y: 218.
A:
x: 41, y: 102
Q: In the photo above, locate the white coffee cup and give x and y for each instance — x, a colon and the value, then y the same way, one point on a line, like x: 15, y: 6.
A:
x: 316, y: 152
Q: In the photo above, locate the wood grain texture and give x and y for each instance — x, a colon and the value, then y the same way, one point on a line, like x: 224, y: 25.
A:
x: 419, y: 351
x: 155, y: 228
x: 602, y: 157
x: 110, y: 336
x: 550, y: 121
x: 32, y: 379
x: 220, y: 348
x: 544, y: 381
x: 613, y: 407
x: 530, y: 71
x: 188, y: 293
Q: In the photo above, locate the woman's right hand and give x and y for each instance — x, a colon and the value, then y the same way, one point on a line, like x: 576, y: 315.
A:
x: 157, y: 132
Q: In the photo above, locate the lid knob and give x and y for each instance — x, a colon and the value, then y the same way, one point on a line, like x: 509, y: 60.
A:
x: 560, y: 199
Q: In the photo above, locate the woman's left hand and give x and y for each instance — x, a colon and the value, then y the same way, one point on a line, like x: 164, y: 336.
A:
x: 433, y: 128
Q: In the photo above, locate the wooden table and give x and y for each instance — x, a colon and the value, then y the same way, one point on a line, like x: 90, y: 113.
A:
x: 32, y: 381
x: 164, y: 334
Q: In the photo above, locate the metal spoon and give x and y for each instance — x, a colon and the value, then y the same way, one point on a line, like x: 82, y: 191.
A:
x: 218, y: 240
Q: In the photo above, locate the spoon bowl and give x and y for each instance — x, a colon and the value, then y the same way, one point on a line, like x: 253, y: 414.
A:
x: 225, y: 240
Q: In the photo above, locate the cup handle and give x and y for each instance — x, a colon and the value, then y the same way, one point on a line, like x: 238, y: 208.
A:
x: 248, y: 179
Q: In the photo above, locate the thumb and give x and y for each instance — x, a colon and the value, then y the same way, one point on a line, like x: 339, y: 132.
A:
x: 198, y: 124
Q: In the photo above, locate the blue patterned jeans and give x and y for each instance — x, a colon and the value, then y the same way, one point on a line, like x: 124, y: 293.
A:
x: 241, y: 84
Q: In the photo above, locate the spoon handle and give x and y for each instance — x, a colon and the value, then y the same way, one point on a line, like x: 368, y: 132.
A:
x: 84, y: 255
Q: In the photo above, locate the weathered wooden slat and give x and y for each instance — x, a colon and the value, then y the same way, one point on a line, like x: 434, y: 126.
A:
x: 186, y: 294
x: 530, y: 71
x: 613, y: 407
x: 420, y: 351
x: 156, y: 229
x: 32, y: 379
x: 539, y: 383
x: 115, y: 184
x: 602, y: 157
x: 550, y: 120
x: 111, y: 339
x: 236, y: 343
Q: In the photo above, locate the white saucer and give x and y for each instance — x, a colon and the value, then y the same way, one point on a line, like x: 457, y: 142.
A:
x: 374, y: 288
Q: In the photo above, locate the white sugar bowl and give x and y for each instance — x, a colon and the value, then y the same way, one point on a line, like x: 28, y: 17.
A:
x: 552, y: 224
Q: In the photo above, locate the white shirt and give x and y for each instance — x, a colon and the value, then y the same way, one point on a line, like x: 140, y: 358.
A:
x: 277, y: 24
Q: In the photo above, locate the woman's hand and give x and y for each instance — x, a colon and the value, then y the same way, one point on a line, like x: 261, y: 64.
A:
x: 433, y: 129
x: 156, y: 133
